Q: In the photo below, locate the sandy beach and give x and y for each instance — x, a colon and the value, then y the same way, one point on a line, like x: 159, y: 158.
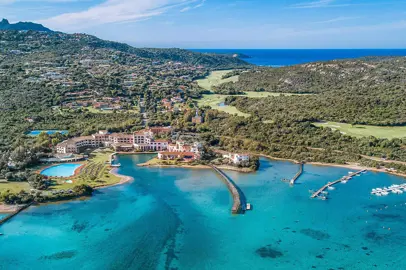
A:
x: 4, y: 209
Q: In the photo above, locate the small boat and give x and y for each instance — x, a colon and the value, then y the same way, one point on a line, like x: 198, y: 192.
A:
x: 344, y: 181
x: 248, y: 206
x: 116, y: 165
x: 384, y: 193
x: 378, y: 194
x: 331, y: 188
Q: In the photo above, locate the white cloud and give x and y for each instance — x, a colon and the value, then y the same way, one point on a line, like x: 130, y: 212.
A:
x: 112, y: 11
x: 338, y: 19
x: 193, y: 7
x: 314, y: 4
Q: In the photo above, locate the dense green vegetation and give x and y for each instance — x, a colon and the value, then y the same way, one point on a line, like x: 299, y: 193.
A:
x: 365, y: 91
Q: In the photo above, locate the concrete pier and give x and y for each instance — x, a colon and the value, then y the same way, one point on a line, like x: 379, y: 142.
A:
x: 329, y: 184
x: 299, y: 173
x: 239, y: 202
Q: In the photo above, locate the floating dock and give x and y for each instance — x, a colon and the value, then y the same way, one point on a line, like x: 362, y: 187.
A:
x: 299, y: 173
x: 239, y: 204
x: 329, y: 184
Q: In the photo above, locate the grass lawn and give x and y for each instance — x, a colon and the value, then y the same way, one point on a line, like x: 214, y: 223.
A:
x: 213, y: 101
x: 14, y: 187
x: 215, y: 78
x: 95, y: 173
x: 365, y: 131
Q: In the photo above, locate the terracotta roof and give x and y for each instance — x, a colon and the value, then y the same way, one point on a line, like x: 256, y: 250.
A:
x: 177, y: 153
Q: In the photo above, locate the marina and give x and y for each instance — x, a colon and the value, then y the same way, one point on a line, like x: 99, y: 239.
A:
x: 322, y: 194
x: 394, y: 189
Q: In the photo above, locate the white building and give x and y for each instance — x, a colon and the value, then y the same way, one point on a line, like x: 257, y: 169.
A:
x: 181, y: 146
x: 237, y: 158
x: 141, y: 140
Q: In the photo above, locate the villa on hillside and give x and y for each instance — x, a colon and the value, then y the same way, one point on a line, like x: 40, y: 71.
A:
x: 143, y: 140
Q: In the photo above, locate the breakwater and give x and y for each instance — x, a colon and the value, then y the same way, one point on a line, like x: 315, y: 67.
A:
x: 239, y: 203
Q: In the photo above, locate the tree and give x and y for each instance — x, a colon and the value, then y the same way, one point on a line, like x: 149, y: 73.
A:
x: 38, y: 181
x: 83, y: 190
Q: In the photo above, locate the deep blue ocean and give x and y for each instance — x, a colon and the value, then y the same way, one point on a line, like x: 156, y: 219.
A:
x: 180, y: 219
x: 280, y: 57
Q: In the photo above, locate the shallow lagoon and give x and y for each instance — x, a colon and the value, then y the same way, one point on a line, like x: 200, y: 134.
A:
x: 180, y: 218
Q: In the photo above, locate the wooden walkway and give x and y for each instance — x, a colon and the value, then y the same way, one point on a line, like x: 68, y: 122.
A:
x: 299, y: 173
x: 329, y: 184
x: 238, y: 205
x: 19, y: 210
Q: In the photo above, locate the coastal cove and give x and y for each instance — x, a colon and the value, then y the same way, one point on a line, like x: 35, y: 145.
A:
x: 179, y: 218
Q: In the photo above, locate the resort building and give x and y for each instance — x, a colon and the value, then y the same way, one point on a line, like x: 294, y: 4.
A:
x: 182, y: 150
x: 142, y: 140
x: 237, y: 158
x: 185, y: 156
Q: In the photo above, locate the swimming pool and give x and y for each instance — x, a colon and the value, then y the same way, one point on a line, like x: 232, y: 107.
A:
x: 35, y: 133
x: 63, y: 170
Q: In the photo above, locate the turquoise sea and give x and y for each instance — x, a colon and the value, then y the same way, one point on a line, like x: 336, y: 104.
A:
x: 180, y: 219
x: 288, y: 57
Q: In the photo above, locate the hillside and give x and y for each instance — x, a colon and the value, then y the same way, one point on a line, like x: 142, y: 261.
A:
x: 362, y: 91
x: 63, y: 44
x: 319, y: 77
x: 22, y: 26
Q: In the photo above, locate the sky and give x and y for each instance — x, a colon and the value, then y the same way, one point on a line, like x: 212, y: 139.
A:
x: 267, y: 24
